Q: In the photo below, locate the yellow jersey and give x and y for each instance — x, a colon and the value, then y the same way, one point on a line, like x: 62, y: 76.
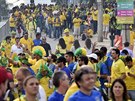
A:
x: 61, y: 51
x: 72, y: 89
x: 130, y: 81
x: 132, y: 37
x: 7, y: 47
x: 62, y: 18
x: 28, y: 43
x: 37, y: 65
x: 49, y: 19
x: 118, y: 67
x: 13, y: 41
x: 12, y: 22
x: 44, y: 82
x: 57, y: 22
x: 69, y: 41
x: 77, y: 22
x: 106, y: 19
x: 95, y: 15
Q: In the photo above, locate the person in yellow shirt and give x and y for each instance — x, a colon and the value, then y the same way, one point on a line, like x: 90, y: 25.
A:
x: 69, y: 39
x: 130, y: 77
x: 63, y: 23
x: 49, y: 20
x: 57, y: 26
x: 16, y: 13
x: 31, y: 28
x: 13, y: 33
x: 118, y: 66
x: 119, y: 91
x: 61, y: 47
x: 44, y: 76
x: 95, y: 19
x: 7, y: 46
x: 24, y: 17
x: 27, y: 42
x: 21, y: 75
x: 38, y: 52
x: 132, y: 37
x: 106, y: 20
x: 12, y: 23
x: 77, y: 23
x: 89, y: 33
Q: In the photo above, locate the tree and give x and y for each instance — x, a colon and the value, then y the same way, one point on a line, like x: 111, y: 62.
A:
x: 60, y: 2
x: 3, y: 8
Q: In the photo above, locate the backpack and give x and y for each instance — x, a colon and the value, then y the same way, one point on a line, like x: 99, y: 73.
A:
x: 83, y: 37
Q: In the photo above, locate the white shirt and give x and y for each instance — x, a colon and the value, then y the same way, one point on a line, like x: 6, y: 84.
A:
x: 15, y: 49
x: 42, y: 94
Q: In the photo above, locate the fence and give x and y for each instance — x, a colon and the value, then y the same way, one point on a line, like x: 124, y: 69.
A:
x: 4, y: 29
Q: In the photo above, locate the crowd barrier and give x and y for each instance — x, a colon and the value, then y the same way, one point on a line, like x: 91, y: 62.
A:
x: 4, y: 29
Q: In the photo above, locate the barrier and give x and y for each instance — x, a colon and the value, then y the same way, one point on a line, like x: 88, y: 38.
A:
x: 4, y: 29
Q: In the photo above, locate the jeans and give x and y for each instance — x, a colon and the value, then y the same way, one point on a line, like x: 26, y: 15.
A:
x: 61, y: 30
x: 132, y: 94
x: 56, y: 32
x: 50, y: 30
x: 95, y: 26
x: 69, y: 25
x: 12, y: 29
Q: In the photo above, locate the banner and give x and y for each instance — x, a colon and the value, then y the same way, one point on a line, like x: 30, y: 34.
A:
x: 125, y: 14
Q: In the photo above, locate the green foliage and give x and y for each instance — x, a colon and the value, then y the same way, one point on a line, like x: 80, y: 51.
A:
x: 3, y: 8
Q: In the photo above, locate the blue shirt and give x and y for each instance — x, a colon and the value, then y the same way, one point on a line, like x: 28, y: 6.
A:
x: 37, y: 42
x: 103, y: 71
x: 80, y: 96
x: 65, y: 69
x: 108, y: 63
x: 71, y: 66
x: 56, y: 97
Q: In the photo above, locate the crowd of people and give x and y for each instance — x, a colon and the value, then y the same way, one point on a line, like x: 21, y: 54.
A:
x: 31, y: 71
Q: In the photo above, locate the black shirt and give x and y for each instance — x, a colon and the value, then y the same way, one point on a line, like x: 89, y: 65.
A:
x: 47, y: 47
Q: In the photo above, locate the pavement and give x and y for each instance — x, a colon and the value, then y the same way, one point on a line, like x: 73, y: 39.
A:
x: 2, y: 23
x: 106, y: 43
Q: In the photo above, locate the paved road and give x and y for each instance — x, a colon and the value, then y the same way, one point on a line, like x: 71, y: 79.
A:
x: 2, y: 23
x: 94, y: 39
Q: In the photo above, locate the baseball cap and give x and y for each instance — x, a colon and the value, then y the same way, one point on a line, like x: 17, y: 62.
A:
x: 61, y: 59
x: 13, y: 33
x: 66, y: 30
x: 93, y: 55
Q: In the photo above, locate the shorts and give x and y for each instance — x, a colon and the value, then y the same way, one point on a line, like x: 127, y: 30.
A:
x: 76, y: 30
x: 106, y: 28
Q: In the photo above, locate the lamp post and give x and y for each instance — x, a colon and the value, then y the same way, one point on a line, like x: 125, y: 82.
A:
x: 100, y: 20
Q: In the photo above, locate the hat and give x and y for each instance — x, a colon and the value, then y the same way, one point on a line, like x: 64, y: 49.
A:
x: 13, y: 33
x: 66, y: 30
x: 42, y: 68
x: 4, y: 75
x: 93, y: 55
x: 80, y: 52
x: 61, y: 59
x: 39, y: 50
